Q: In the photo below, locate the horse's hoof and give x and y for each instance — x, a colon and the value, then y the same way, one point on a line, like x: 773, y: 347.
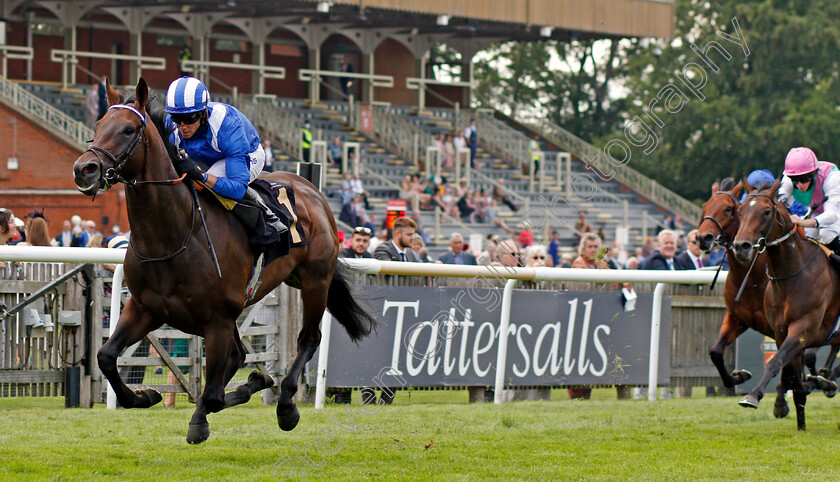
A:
x: 740, y: 376
x: 824, y: 372
x: 258, y: 379
x: 801, y: 428
x: 288, y: 419
x: 198, y: 432
x: 781, y: 411
x: 147, y: 397
x: 749, y: 401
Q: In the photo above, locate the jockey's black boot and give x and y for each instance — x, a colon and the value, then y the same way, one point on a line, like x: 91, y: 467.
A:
x: 270, y: 218
x: 834, y: 246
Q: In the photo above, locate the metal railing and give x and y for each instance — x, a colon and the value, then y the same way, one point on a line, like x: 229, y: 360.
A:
x: 313, y: 76
x: 13, y: 52
x: 277, y: 122
x: 400, y: 135
x: 525, y: 200
x: 499, y: 138
x: 202, y: 68
x: 67, y: 57
x: 623, y: 174
x: 61, y: 123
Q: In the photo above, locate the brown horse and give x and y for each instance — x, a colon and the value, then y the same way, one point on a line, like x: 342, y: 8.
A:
x: 170, y: 271
x: 800, y: 298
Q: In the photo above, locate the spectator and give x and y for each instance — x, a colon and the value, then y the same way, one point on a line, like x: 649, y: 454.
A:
x: 554, y: 248
x: 466, y: 207
x: 305, y: 141
x: 117, y: 242
x: 359, y: 244
x: 525, y: 238
x: 491, y: 216
x: 90, y: 227
x: 486, y: 256
x: 448, y: 152
x: 632, y: 263
x: 8, y: 226
x: 184, y: 54
x: 582, y: 226
x: 506, y: 254
x: 501, y: 194
x: 80, y: 236
x: 346, y: 82
x: 399, y: 248
x: 95, y: 241
x: 381, y: 237
x: 590, y: 256
x: 692, y: 258
x: 457, y: 255
x: 419, y: 247
x: 663, y: 257
x: 358, y: 189
x: 350, y: 212
x: 533, y: 149
x: 535, y: 256
x: 566, y: 260
x: 64, y: 238
x: 471, y: 137
x: 38, y: 233
x: 334, y: 152
x: 269, y: 156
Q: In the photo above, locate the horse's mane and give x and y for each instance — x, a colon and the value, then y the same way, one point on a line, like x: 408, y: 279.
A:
x: 154, y: 107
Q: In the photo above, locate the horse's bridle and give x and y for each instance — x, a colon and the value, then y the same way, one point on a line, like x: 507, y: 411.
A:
x: 722, y: 239
x: 112, y: 175
x: 761, y: 243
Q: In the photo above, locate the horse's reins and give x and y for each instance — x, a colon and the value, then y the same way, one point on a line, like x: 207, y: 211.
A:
x: 112, y: 175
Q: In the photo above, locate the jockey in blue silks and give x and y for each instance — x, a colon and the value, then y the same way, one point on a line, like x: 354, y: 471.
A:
x: 222, y: 148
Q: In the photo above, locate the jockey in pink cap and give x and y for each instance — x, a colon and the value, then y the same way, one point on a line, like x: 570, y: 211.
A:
x: 815, y: 184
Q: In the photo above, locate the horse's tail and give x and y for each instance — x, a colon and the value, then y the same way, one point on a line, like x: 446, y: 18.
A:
x: 345, y: 308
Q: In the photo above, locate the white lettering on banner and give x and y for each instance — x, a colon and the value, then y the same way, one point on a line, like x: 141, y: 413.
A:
x: 478, y: 351
x: 523, y: 350
x: 600, y: 349
x: 430, y: 349
x: 568, y: 361
x: 583, y: 363
x: 401, y: 306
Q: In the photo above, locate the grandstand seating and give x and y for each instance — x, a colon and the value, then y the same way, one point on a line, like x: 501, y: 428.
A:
x: 330, y: 119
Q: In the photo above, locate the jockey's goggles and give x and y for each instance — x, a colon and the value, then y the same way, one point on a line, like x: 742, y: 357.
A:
x: 190, y: 118
x: 803, y: 178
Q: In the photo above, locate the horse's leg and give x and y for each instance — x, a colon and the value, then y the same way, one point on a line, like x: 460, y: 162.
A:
x: 218, y: 347
x: 780, y: 408
x: 825, y: 371
x: 135, y: 323
x: 792, y: 378
x: 256, y: 380
x: 789, y: 349
x: 314, y: 294
x: 810, y: 357
x: 729, y: 331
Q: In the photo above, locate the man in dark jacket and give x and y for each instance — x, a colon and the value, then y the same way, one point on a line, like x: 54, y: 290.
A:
x: 457, y: 255
x: 663, y: 258
x: 399, y: 247
x: 359, y: 243
x: 692, y: 257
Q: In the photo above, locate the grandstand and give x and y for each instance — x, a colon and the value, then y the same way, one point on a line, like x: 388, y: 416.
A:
x: 314, y: 37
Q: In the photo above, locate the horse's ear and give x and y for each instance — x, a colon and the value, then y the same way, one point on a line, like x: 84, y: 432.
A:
x: 113, y: 95
x: 775, y: 187
x: 745, y: 185
x: 142, y: 93
x: 736, y: 191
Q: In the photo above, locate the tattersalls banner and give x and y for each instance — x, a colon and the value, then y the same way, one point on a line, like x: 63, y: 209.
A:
x: 449, y: 337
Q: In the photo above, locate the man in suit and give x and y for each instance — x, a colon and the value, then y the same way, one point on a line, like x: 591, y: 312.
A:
x: 457, y: 255
x: 663, y: 257
x: 359, y: 243
x: 399, y: 247
x: 692, y: 258
x: 65, y: 237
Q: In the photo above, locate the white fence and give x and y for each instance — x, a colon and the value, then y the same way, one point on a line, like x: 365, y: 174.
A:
x: 370, y: 266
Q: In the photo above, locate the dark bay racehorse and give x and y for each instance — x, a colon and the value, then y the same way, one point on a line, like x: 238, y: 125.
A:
x: 171, y: 275
x: 801, y: 298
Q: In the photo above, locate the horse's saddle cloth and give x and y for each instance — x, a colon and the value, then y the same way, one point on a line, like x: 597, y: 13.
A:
x: 263, y: 238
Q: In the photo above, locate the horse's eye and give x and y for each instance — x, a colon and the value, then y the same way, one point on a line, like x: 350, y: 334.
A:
x: 767, y: 212
x: 728, y: 209
x: 129, y: 130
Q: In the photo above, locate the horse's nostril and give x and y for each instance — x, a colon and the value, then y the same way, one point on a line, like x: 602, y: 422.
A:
x: 90, y: 169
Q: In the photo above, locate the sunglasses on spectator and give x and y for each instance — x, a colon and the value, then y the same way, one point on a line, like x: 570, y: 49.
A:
x: 190, y: 118
x: 802, y: 179
x: 362, y: 230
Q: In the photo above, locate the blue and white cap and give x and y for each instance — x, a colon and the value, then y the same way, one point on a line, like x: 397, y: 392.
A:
x: 186, y: 95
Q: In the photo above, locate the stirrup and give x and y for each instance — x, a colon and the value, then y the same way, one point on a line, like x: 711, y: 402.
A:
x: 275, y: 222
